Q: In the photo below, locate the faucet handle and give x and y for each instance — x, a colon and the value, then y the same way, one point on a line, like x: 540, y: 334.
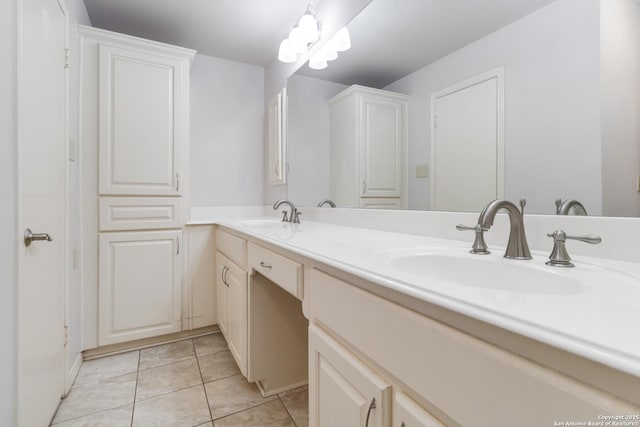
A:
x: 296, y: 216
x: 523, y: 203
x: 285, y: 218
x: 479, y: 246
x: 559, y: 256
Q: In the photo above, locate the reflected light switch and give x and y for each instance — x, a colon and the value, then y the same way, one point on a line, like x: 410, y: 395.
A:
x: 422, y: 171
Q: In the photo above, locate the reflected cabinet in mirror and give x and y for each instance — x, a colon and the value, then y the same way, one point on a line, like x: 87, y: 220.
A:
x: 536, y: 98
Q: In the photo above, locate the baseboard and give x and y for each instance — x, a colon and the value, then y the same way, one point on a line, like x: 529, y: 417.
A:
x: 73, y: 373
x: 112, y: 349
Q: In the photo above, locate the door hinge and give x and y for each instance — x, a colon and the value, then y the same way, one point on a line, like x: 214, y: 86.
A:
x: 66, y: 335
x: 67, y: 58
x: 435, y: 121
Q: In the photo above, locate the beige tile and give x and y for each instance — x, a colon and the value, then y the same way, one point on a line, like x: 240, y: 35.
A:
x: 271, y: 414
x: 210, y: 344
x: 218, y: 365
x: 106, y: 367
x: 182, y: 408
x: 232, y: 394
x: 118, y: 417
x: 165, y: 354
x: 209, y: 424
x: 297, y: 405
x: 97, y: 396
x: 165, y: 379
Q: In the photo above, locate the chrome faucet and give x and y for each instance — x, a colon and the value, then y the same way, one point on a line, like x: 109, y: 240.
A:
x: 294, y: 215
x: 327, y: 202
x: 517, y: 247
x: 563, y: 208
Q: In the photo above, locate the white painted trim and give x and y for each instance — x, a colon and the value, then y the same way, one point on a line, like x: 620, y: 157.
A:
x: 498, y: 74
x: 137, y: 43
x: 72, y: 373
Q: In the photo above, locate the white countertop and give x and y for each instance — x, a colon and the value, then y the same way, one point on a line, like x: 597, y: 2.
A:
x: 595, y: 316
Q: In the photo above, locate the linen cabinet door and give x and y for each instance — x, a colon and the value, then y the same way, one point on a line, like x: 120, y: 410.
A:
x: 342, y: 390
x: 142, y: 121
x: 140, y: 285
x: 382, y: 165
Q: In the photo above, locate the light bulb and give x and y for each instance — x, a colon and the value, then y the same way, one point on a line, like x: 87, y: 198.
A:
x: 309, y: 28
x: 318, y: 61
x: 298, y: 44
x: 286, y: 53
x: 329, y: 52
x: 341, y: 41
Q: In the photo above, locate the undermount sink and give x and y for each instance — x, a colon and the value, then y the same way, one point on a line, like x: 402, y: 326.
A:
x: 483, y: 271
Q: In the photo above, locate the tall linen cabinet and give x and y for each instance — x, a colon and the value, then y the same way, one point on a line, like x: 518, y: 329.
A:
x: 368, y: 145
x: 134, y: 163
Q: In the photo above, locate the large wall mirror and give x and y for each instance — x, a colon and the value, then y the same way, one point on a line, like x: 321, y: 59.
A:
x: 570, y: 95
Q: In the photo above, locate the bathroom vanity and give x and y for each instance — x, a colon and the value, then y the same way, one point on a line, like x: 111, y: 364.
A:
x: 408, y: 330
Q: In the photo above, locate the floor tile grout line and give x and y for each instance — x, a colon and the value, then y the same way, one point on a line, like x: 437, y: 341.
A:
x: 288, y: 412
x: 135, y: 392
x: 206, y: 397
x: 88, y: 415
x: 269, y: 400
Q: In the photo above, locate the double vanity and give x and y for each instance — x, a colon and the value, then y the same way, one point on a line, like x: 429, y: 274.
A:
x: 396, y: 329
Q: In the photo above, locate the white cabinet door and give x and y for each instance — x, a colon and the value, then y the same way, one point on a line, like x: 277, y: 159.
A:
x: 202, y: 277
x: 407, y: 413
x: 232, y: 288
x: 142, y: 121
x: 342, y: 390
x: 140, y: 285
x: 381, y: 148
x: 221, y: 292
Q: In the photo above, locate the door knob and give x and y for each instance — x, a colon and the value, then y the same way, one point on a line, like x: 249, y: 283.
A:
x: 30, y: 236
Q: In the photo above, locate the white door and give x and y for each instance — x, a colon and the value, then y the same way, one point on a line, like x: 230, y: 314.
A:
x: 42, y: 208
x: 140, y: 285
x: 466, y: 144
x: 342, y: 390
x: 407, y: 413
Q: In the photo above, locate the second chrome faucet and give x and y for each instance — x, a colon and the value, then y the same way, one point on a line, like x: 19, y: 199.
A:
x: 517, y: 247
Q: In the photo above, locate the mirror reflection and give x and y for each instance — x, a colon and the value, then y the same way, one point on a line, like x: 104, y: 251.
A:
x: 537, y: 99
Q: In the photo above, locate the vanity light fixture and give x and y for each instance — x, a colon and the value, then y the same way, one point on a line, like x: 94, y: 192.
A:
x: 340, y: 42
x: 301, y: 37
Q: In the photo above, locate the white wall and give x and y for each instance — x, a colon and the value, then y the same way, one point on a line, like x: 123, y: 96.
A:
x: 77, y: 15
x: 8, y: 235
x: 308, y: 149
x: 620, y: 66
x: 227, y: 111
x: 552, y: 99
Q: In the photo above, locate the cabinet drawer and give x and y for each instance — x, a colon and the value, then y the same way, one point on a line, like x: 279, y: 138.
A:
x: 450, y: 369
x: 233, y: 247
x: 140, y: 213
x: 282, y: 271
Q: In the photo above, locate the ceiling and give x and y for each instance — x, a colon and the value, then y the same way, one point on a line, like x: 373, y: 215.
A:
x: 390, y: 38
x: 246, y: 31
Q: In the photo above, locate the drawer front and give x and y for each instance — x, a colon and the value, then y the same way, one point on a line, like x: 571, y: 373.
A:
x: 140, y: 213
x: 450, y: 369
x: 282, y: 271
x: 233, y: 247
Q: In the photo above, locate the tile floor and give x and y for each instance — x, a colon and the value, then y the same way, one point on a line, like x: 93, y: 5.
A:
x: 194, y: 382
